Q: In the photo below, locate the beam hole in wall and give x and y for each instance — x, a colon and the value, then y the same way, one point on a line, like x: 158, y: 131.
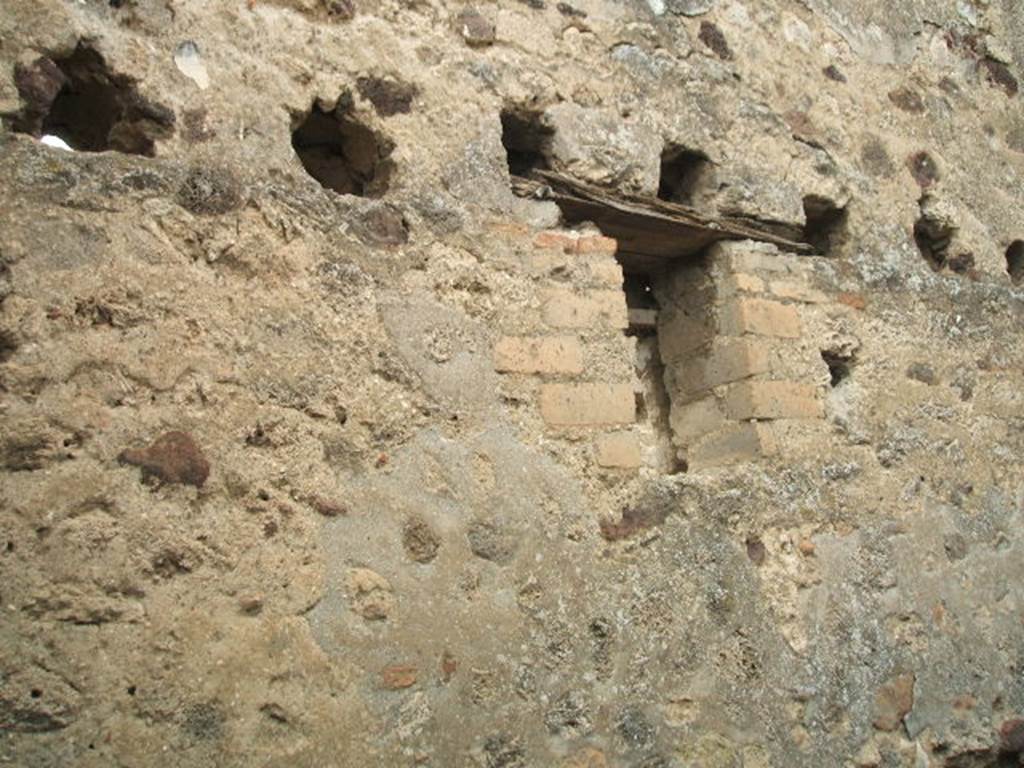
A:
x: 1015, y: 262
x: 342, y: 153
x: 687, y: 175
x: 78, y: 99
x: 527, y: 140
x: 825, y: 227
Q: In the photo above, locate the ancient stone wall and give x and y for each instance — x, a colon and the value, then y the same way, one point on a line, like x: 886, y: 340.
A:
x: 322, y: 443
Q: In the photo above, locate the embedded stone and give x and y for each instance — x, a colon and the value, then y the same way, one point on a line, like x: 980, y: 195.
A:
x: 174, y: 458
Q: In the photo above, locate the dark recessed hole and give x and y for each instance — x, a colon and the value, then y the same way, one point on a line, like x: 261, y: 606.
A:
x: 962, y: 263
x: 825, y: 227
x: 131, y: 690
x: 35, y: 693
x: 641, y: 406
x: 838, y: 366
x: 526, y: 139
x: 341, y: 153
x: 933, y: 237
x: 80, y: 100
x: 756, y: 550
x: 685, y: 175
x: 1015, y: 261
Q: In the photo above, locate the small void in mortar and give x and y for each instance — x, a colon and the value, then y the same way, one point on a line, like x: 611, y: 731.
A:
x: 933, y: 238
x: 342, y: 153
x: 1015, y: 261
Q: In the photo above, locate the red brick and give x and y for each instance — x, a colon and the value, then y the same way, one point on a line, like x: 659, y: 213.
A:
x: 557, y: 241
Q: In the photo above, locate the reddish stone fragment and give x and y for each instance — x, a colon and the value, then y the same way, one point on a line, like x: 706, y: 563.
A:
x: 1011, y: 737
x: 173, y: 459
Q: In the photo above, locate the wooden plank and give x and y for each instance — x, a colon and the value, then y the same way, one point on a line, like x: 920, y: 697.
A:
x: 653, y: 231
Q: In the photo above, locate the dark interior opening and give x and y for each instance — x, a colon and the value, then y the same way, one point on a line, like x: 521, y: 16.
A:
x: 341, y: 153
x: 639, y: 291
x: 526, y: 139
x: 933, y: 238
x: 839, y: 366
x: 653, y: 403
x: 685, y: 175
x: 825, y: 227
x: 1015, y: 261
x: 80, y: 100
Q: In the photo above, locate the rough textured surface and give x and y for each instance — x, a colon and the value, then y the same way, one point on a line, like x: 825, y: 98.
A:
x: 380, y: 526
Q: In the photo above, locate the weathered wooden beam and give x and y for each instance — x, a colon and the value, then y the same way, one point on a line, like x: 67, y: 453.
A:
x: 649, y: 229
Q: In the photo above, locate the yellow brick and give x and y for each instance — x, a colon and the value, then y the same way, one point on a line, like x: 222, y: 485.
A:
x: 552, y: 354
x: 728, y: 359
x: 692, y: 421
x: 732, y: 444
x: 606, y: 272
x: 596, y: 244
x: 585, y: 405
x: 773, y: 400
x: 683, y: 330
x: 760, y: 317
x: 620, y: 450
x: 746, y: 256
x: 592, y: 309
x: 739, y: 282
x: 545, y: 262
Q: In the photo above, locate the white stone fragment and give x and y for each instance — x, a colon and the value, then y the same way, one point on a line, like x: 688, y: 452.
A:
x: 55, y: 141
x: 189, y: 62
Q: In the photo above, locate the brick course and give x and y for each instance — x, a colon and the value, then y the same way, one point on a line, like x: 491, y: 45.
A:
x: 564, y: 308
x: 761, y: 317
x: 587, y: 405
x: 728, y: 359
x: 620, y: 450
x: 773, y: 400
x: 551, y: 354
